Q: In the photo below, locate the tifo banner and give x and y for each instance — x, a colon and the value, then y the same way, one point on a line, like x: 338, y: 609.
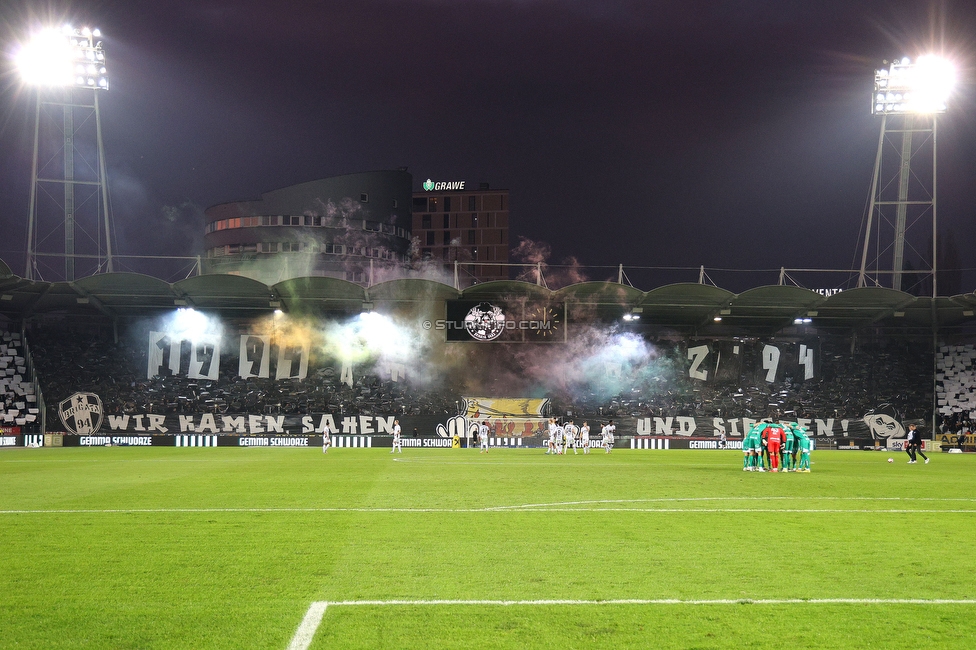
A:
x: 769, y: 362
x: 199, y: 358
x: 496, y: 407
x: 876, y: 425
x: 244, y: 424
x: 506, y: 416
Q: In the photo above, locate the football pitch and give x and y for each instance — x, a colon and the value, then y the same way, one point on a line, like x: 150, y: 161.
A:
x: 289, y: 548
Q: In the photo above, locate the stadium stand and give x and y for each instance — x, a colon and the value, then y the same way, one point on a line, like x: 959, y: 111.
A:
x: 18, y: 395
x: 71, y: 358
x: 852, y: 383
x: 875, y: 347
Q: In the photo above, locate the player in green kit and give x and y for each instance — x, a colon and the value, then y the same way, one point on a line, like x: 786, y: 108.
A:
x: 804, y: 444
x: 752, y: 449
x: 789, y: 448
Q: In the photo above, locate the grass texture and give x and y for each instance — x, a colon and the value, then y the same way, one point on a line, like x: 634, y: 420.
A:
x: 227, y: 548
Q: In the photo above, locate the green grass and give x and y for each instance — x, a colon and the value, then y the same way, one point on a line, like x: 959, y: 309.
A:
x: 227, y: 548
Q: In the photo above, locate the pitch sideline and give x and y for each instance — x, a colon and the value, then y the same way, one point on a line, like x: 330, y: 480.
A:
x: 313, y: 617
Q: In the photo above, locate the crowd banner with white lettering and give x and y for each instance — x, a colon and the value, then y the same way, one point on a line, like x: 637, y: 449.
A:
x: 83, y: 413
x: 199, y: 358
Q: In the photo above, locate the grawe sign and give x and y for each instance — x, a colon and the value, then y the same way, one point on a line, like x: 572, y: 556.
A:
x: 442, y: 186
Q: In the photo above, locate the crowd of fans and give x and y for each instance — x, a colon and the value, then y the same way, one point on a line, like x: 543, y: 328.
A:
x: 18, y: 399
x: 851, y: 384
x: 852, y: 381
x: 117, y: 373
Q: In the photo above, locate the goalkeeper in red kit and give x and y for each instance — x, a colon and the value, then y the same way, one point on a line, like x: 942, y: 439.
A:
x: 774, y: 436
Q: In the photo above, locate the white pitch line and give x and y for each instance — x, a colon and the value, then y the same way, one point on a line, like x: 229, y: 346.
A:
x: 488, y: 510
x: 558, y: 506
x: 313, y: 617
x: 306, y: 630
x: 655, y: 601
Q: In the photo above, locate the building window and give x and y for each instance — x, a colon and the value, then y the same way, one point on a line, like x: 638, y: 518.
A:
x: 308, y: 221
x: 472, y: 237
x: 474, y: 221
x: 431, y: 239
x: 474, y: 254
x: 425, y: 254
x: 317, y: 221
x: 447, y: 221
x: 447, y: 237
x: 447, y: 204
x: 396, y: 204
x: 420, y: 203
x: 472, y: 203
x: 364, y: 198
x: 432, y: 204
x: 425, y: 222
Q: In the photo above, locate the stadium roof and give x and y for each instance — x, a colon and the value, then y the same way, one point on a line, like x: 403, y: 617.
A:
x: 685, y: 306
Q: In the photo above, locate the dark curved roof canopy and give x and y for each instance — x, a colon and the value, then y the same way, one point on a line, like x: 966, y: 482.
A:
x: 687, y: 306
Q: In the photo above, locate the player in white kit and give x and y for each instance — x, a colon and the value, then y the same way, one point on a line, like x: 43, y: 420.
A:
x: 608, y: 430
x: 552, y: 436
x: 326, y: 439
x: 570, y: 433
x: 396, y: 437
x: 483, y: 431
x: 560, y: 439
x: 584, y: 435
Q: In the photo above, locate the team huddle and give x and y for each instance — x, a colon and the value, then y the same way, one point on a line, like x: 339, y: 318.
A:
x: 566, y: 435
x: 785, y: 446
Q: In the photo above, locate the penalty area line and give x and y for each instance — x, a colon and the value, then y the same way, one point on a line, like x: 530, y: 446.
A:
x: 313, y: 617
x: 306, y: 630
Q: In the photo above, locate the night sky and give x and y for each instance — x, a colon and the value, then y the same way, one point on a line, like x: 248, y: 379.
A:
x: 731, y: 134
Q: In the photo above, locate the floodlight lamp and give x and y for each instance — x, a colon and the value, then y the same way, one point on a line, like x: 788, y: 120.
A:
x: 61, y: 58
x: 45, y: 60
x: 914, y: 88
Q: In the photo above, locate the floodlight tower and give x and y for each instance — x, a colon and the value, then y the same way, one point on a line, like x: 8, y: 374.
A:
x: 908, y: 96
x: 67, y: 67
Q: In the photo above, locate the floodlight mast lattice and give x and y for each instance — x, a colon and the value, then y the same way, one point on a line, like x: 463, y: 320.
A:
x: 67, y: 66
x: 908, y: 96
